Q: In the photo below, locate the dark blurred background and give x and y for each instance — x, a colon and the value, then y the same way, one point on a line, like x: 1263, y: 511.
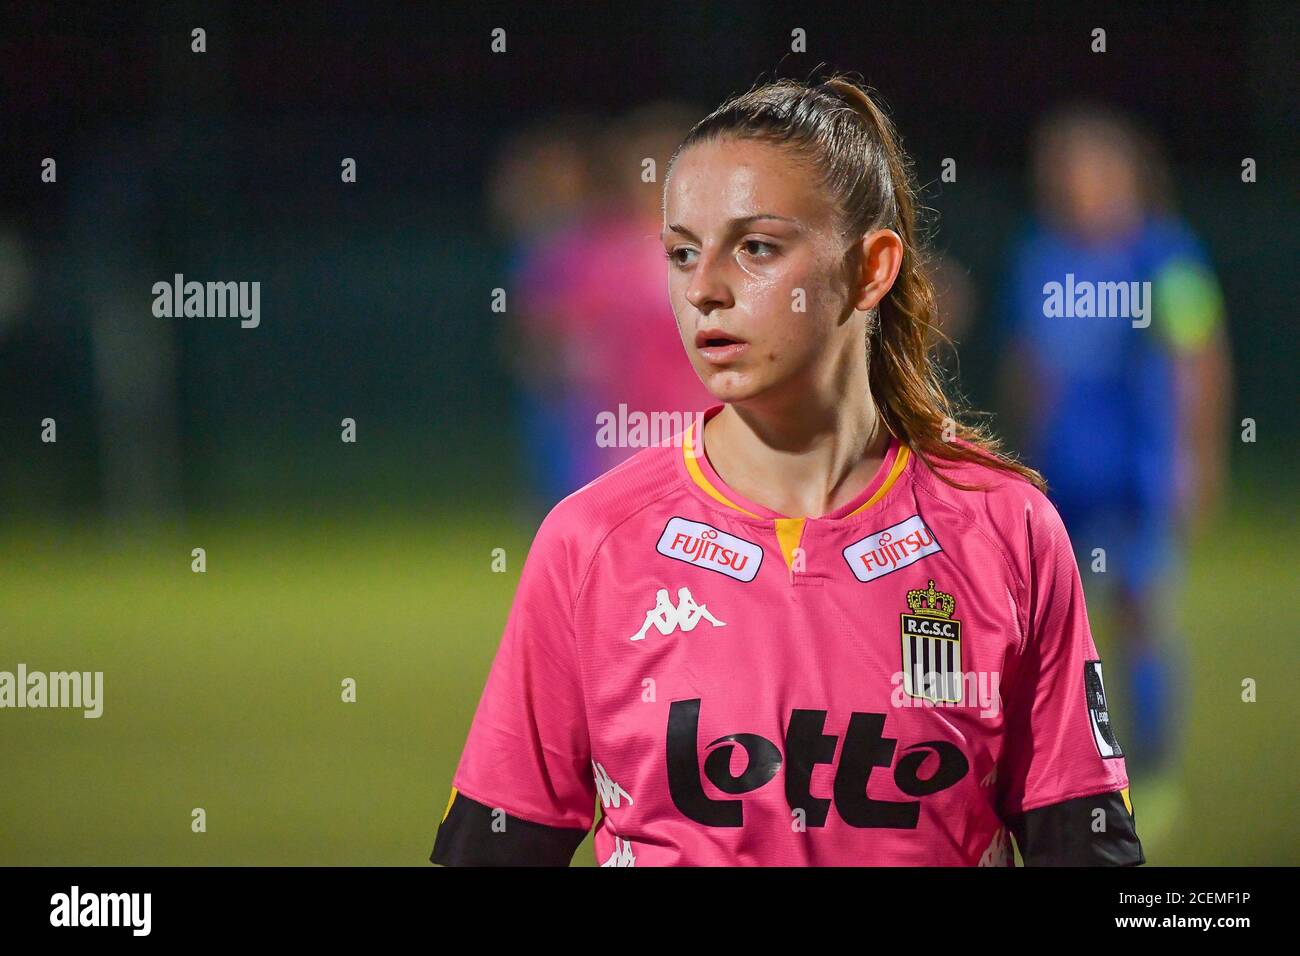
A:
x: 371, y: 559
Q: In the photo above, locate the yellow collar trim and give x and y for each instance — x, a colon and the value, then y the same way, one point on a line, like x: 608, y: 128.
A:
x: 788, y: 533
x: 900, y: 462
x: 693, y: 467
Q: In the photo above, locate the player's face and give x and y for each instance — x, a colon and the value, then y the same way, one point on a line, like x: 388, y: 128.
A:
x: 759, y: 276
x: 1099, y: 195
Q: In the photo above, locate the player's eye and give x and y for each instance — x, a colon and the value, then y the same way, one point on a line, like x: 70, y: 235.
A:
x: 673, y: 255
x: 771, y: 249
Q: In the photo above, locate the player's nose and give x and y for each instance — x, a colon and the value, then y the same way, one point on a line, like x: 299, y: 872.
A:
x: 708, y: 288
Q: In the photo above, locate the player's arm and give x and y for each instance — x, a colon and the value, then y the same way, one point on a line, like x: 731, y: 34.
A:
x: 523, y: 793
x: 1063, y: 786
x: 1087, y: 831
x: 1189, y: 315
x: 476, y: 834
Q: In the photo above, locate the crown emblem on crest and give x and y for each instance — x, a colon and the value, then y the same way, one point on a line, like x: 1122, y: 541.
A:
x: 930, y: 602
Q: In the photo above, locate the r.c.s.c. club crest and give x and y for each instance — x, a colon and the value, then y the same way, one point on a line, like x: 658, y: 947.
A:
x: 932, y: 647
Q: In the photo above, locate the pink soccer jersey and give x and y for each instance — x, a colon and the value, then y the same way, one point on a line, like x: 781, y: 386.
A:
x: 903, y: 681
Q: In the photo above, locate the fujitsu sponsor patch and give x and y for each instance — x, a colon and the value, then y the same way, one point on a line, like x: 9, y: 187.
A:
x: 705, y: 546
x: 895, y: 547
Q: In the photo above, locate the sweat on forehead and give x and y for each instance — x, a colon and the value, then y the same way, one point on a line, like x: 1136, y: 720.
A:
x: 717, y: 186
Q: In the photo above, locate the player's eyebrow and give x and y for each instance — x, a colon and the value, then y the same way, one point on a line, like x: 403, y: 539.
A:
x: 732, y: 224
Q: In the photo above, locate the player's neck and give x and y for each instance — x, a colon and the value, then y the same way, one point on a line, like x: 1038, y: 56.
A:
x: 803, y: 462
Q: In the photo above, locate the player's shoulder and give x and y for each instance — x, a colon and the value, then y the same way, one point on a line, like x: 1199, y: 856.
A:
x: 987, y: 487
x: 1167, y: 237
x: 583, y: 519
x: 1001, y: 504
x: 1035, y: 244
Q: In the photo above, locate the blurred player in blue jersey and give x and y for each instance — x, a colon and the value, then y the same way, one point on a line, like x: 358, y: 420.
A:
x: 1125, y: 414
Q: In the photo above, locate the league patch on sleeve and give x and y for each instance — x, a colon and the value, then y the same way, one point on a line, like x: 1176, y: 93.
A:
x: 1103, y: 734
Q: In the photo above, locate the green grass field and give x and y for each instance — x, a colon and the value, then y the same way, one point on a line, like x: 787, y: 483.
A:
x: 222, y: 690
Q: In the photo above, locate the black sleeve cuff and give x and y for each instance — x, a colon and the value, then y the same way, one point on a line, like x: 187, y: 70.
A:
x: 1065, y: 834
x: 466, y: 838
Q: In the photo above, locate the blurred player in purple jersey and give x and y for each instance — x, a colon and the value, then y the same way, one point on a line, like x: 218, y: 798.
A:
x: 539, y: 190
x: 591, y: 334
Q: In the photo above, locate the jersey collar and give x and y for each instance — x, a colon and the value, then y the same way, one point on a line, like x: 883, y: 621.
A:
x: 695, y: 461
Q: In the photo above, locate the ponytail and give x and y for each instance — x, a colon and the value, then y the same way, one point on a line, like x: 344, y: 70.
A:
x: 905, y: 380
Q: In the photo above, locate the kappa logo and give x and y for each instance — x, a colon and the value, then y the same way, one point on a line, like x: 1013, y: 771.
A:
x: 611, y: 794
x: 622, y: 855
x: 705, y: 546
x: 666, y: 617
x: 886, y: 551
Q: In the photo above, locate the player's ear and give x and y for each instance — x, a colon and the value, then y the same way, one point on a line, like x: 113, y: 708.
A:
x: 880, y: 260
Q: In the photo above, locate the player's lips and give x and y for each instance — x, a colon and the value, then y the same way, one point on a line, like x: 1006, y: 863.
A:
x: 718, y: 346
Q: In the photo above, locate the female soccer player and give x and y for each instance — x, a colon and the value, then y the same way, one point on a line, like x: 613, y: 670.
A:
x: 1127, y: 418
x: 905, y: 674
